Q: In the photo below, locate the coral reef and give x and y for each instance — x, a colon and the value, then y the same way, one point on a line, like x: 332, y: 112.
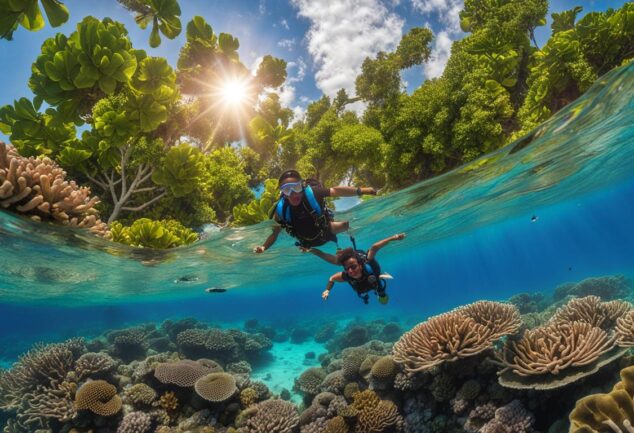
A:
x: 461, y: 333
x: 216, y: 387
x: 37, y: 187
x: 99, y: 397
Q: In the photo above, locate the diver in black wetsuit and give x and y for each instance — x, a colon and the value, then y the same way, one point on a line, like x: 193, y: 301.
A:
x: 361, y: 270
x: 302, y: 212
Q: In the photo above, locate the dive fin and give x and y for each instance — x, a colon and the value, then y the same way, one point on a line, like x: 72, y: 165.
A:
x: 386, y: 276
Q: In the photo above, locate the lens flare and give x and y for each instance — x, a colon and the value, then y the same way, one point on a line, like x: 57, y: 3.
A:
x: 234, y: 92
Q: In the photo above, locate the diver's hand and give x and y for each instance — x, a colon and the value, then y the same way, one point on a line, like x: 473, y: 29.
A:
x: 325, y: 294
x: 259, y: 249
x: 399, y: 237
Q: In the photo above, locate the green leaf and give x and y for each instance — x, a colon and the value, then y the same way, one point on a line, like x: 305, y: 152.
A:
x: 56, y: 12
x: 228, y: 43
x: 155, y: 38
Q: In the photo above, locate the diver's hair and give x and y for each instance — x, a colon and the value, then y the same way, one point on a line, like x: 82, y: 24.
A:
x: 346, y: 255
x: 287, y: 175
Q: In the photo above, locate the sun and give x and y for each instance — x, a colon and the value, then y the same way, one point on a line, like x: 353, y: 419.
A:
x: 234, y: 92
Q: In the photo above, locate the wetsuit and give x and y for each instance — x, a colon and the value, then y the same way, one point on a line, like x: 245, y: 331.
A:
x: 369, y: 280
x: 310, y: 230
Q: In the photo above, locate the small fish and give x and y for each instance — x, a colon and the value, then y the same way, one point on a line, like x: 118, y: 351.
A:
x: 186, y: 279
x: 534, y: 218
x: 215, y: 290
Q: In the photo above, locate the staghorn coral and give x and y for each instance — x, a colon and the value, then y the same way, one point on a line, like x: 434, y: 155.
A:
x: 38, y: 187
x: 40, y: 366
x: 446, y: 337
x: 139, y: 394
x: 183, y: 373
x: 99, y: 397
x: 271, y: 416
x: 216, y: 387
x: 591, y: 310
x: 94, y: 365
x: 135, y: 422
x: 555, y: 355
x: 44, y: 404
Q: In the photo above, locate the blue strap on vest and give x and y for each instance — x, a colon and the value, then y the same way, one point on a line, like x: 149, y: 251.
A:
x: 283, y: 210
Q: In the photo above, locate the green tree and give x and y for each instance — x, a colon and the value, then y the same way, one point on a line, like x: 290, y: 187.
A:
x: 257, y: 210
x: 163, y: 14
x: 27, y: 14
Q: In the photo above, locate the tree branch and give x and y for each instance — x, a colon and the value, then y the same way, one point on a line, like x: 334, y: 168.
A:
x: 144, y: 205
x: 149, y: 188
x: 97, y: 182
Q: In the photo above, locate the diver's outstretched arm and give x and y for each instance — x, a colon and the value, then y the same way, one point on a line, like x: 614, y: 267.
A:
x: 380, y: 244
x: 349, y: 191
x: 269, y: 241
x: 330, y: 258
x: 336, y: 278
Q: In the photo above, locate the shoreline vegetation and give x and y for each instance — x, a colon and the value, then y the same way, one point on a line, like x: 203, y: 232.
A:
x: 159, y: 143
x: 535, y: 363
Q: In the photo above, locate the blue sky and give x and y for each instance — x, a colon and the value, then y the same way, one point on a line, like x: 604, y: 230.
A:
x: 323, y: 41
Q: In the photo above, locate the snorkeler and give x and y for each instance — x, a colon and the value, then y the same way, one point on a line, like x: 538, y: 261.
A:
x: 361, y: 270
x: 302, y: 212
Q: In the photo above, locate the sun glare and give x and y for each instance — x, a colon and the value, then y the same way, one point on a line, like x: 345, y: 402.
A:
x: 234, y: 92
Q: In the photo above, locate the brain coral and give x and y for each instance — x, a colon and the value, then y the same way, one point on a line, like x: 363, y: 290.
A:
x: 352, y: 360
x: 216, y: 387
x: 310, y: 380
x: 555, y: 355
x: 99, y: 397
x: 272, y: 416
x: 182, y: 373
x: 384, y: 369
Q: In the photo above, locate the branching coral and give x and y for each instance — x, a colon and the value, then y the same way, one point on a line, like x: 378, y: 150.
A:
x: 555, y: 355
x: 464, y: 332
x: 38, y: 187
x: 447, y: 337
x: 94, y: 364
x: 38, y: 367
x: 591, y: 310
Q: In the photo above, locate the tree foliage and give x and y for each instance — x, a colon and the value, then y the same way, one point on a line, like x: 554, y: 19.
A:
x: 257, y: 210
x: 163, y: 14
x: 27, y: 13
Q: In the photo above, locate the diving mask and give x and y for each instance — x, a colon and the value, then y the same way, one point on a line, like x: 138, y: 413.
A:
x: 292, y: 187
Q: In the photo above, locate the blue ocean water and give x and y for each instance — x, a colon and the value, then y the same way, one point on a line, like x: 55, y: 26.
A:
x: 552, y: 208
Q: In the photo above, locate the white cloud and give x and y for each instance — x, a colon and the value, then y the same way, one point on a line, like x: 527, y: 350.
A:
x: 446, y: 11
x: 262, y: 7
x: 288, y: 44
x: 439, y: 55
x: 284, y: 24
x: 342, y: 34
